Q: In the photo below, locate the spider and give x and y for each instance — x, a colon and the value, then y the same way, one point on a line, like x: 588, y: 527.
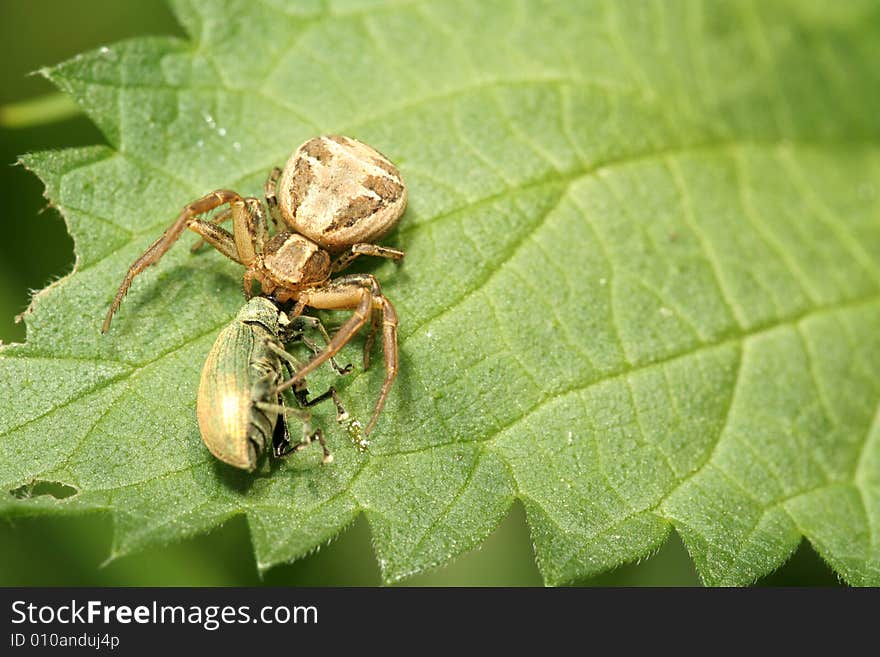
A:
x: 335, y: 197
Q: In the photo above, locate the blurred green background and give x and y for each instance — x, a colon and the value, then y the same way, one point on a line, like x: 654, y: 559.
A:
x: 35, y: 249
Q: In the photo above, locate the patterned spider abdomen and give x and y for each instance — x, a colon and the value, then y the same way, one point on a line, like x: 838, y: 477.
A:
x: 337, y: 191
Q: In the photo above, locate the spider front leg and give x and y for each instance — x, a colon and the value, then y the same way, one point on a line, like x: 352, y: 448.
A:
x: 188, y: 218
x: 295, y: 331
x: 355, y: 250
x: 345, y: 259
x: 362, y: 293
x: 269, y: 191
x: 220, y: 218
x: 250, y: 231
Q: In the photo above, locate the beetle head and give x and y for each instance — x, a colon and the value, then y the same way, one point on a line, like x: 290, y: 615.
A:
x: 262, y: 311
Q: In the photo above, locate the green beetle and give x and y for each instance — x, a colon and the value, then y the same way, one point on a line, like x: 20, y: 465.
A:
x: 238, y: 403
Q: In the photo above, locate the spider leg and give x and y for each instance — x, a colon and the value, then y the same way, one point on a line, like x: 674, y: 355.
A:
x: 362, y: 293
x: 249, y: 228
x: 332, y: 297
x: 371, y: 337
x: 221, y: 217
x: 186, y: 219
x: 315, y: 349
x: 389, y: 349
x: 220, y: 238
x: 355, y: 250
x: 250, y: 232
x: 269, y: 191
x: 304, y: 321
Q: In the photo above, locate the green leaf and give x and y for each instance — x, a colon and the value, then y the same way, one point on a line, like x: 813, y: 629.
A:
x: 641, y: 292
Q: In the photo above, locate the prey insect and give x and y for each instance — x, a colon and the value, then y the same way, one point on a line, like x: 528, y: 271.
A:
x: 240, y: 412
x: 334, y: 199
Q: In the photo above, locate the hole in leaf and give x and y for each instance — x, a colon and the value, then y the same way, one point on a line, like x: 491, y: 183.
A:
x: 39, y: 487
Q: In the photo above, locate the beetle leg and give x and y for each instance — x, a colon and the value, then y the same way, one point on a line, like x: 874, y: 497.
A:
x: 186, y: 219
x: 281, y: 434
x: 295, y: 332
x: 301, y: 392
x: 293, y: 364
x: 269, y: 191
x: 352, y: 427
x: 308, y: 439
x: 281, y: 409
x: 341, y: 413
x: 360, y: 249
x: 283, y: 354
x: 315, y: 349
x: 283, y: 447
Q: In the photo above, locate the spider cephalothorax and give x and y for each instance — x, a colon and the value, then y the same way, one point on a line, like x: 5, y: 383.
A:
x: 335, y: 197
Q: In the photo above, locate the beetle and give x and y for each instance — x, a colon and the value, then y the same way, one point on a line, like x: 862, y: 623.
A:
x: 335, y: 197
x: 238, y: 407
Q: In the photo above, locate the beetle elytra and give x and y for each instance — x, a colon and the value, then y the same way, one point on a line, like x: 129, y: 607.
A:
x: 238, y: 407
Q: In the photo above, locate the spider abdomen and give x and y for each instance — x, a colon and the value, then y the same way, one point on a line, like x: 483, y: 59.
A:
x: 337, y: 191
